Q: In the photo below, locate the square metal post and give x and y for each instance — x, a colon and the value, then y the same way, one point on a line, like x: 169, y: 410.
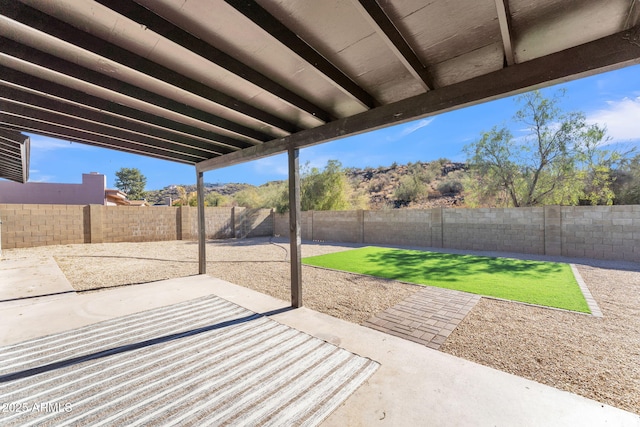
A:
x: 202, y: 255
x: 294, y: 227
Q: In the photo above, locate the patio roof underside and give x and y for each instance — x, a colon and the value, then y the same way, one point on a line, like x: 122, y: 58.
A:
x: 213, y: 83
x: 14, y: 156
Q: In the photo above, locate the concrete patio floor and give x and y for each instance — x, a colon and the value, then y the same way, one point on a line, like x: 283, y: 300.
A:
x: 415, y: 385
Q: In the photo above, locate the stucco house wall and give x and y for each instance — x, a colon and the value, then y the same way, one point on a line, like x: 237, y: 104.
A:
x: 90, y: 192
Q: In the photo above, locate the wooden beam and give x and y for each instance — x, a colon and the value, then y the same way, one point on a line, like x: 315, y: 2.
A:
x: 29, y: 54
x: 9, y: 153
x: 10, y: 107
x: 31, y: 125
x: 272, y: 26
x: 181, y: 37
x: 504, y: 18
x: 26, y: 82
x: 202, y: 229
x: 179, y: 142
x: 295, y: 240
x: 63, y: 31
x: 383, y: 25
x: 12, y: 165
x: 605, y: 54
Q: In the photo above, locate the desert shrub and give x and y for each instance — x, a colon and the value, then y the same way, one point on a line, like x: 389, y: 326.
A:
x: 410, y: 189
x: 450, y: 186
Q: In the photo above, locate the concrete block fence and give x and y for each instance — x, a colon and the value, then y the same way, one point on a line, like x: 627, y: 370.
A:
x: 600, y: 232
x: 38, y: 225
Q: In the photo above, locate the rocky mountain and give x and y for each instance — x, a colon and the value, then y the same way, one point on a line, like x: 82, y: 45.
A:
x: 413, y: 185
x: 173, y: 191
x: 382, y: 184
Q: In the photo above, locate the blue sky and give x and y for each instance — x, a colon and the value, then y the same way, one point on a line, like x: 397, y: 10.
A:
x: 611, y: 99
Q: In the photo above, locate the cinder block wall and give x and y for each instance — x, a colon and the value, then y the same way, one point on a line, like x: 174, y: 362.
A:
x: 338, y: 226
x: 38, y: 225
x: 281, y: 225
x: 25, y: 226
x: 138, y: 224
x: 601, y: 232
x: 253, y: 222
x: 495, y: 229
x: 398, y: 227
x: 218, y: 223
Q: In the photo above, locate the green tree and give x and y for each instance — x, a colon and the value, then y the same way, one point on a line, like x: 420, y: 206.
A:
x: 627, y: 185
x: 275, y: 195
x: 186, y: 198
x: 131, y: 182
x: 560, y: 161
x: 326, y: 190
x: 215, y: 199
x: 249, y: 198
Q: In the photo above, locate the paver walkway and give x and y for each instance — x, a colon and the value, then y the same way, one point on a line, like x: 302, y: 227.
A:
x: 427, y: 317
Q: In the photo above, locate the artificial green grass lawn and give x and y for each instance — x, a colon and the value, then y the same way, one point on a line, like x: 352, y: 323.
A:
x: 536, y: 282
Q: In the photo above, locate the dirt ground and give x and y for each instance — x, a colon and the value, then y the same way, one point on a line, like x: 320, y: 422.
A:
x: 598, y: 358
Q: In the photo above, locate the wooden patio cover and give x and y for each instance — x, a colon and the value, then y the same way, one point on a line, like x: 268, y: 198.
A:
x: 213, y: 83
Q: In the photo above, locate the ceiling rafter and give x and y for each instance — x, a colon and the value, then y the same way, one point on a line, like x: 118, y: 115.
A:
x: 9, y: 155
x: 263, y: 19
x: 36, y: 84
x: 9, y: 149
x: 383, y: 25
x: 24, y: 124
x: 633, y: 16
x: 10, y: 108
x: 9, y: 164
x: 63, y: 31
x: 10, y: 167
x: 604, y: 54
x: 29, y: 54
x: 12, y: 174
x: 53, y: 105
x: 165, y: 28
x: 10, y: 160
x: 14, y: 159
x: 504, y: 19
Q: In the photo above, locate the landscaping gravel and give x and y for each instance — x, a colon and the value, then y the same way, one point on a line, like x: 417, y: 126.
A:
x: 598, y: 358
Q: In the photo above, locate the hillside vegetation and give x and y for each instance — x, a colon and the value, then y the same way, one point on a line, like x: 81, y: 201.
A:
x: 413, y: 185
x: 418, y: 185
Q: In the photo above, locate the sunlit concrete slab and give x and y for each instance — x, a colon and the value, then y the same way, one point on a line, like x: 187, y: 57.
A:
x: 24, y: 278
x: 414, y: 385
x: 37, y: 317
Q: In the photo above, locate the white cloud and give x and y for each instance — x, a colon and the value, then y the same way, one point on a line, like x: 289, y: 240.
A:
x: 410, y: 128
x: 622, y: 119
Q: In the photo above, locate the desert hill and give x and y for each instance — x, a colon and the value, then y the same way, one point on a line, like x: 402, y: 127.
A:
x: 412, y: 185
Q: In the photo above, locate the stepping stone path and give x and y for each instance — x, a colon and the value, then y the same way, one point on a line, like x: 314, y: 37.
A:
x: 427, y: 317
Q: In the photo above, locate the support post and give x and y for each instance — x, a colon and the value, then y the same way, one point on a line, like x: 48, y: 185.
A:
x: 294, y: 227
x: 202, y: 255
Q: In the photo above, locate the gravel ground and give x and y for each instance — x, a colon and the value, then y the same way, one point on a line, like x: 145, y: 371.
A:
x: 598, y: 358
